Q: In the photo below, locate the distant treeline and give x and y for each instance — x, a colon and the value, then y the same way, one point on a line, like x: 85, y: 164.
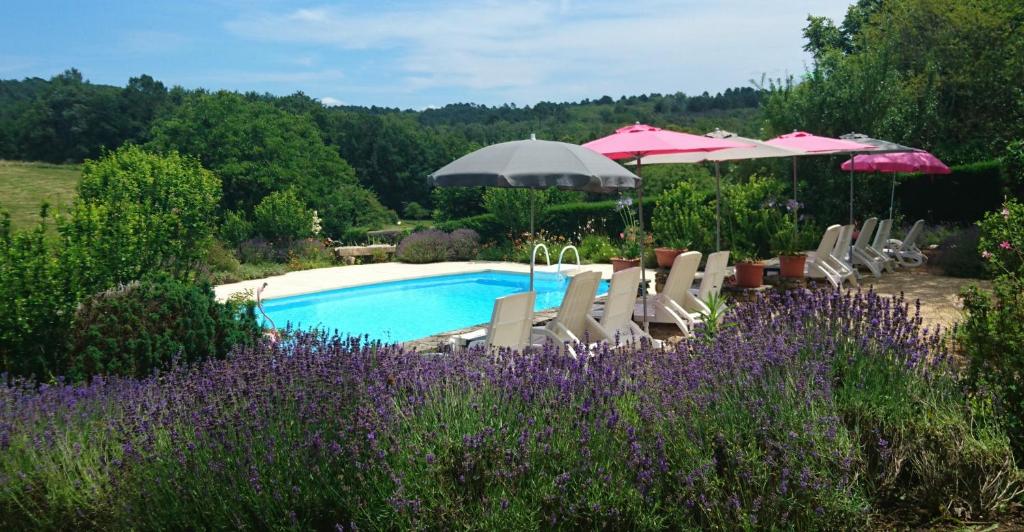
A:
x: 68, y: 119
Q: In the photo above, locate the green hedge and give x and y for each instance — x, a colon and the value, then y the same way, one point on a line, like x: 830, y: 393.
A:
x: 962, y: 197
x: 486, y: 225
x: 564, y: 219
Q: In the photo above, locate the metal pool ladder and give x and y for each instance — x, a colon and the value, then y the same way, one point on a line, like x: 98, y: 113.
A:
x: 547, y: 259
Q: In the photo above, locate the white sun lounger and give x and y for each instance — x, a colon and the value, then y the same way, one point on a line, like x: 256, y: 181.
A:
x: 862, y: 253
x: 906, y: 251
x: 878, y: 245
x: 715, y: 271
x: 571, y: 324
x: 616, y: 325
x: 823, y: 265
x: 841, y: 251
x: 510, y: 325
x: 675, y: 304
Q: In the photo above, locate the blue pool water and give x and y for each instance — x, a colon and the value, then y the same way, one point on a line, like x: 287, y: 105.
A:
x: 406, y: 310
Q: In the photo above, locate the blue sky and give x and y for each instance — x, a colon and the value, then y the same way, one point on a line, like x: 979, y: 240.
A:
x: 415, y: 54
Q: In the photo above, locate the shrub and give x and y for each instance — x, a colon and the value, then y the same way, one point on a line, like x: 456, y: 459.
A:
x: 139, y: 327
x: 751, y: 215
x: 351, y: 206
x: 309, y: 253
x: 221, y: 259
x: 283, y: 217
x: 685, y: 218
x: 1012, y: 167
x: 992, y: 334
x: 809, y: 411
x: 958, y: 254
x: 136, y: 213
x: 597, y: 248
x: 464, y: 244
x: 259, y: 250
x: 512, y: 206
x: 415, y: 211
x: 486, y: 225
x: 423, y: 247
x: 236, y: 228
x: 453, y: 203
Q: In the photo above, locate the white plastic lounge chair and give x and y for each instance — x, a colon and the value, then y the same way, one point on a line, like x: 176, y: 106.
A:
x: 906, y: 251
x: 673, y: 303
x: 841, y: 251
x: 878, y: 245
x: 510, y: 323
x: 821, y: 264
x: 616, y: 325
x: 573, y: 320
x: 862, y: 253
x: 714, y: 276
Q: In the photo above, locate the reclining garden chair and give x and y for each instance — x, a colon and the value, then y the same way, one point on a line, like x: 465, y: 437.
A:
x: 573, y: 321
x: 510, y: 325
x: 881, y: 241
x: 906, y: 251
x: 673, y: 303
x: 863, y: 254
x: 616, y: 325
x: 822, y: 264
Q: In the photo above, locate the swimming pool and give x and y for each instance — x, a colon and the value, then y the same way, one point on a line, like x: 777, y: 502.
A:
x: 399, y: 311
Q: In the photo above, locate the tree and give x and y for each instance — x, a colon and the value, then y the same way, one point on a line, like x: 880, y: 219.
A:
x: 255, y: 148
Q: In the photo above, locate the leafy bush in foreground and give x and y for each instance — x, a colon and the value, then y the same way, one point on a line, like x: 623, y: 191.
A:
x: 810, y: 411
x: 423, y: 247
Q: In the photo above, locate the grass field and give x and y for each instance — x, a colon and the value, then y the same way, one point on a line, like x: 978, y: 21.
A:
x: 25, y: 186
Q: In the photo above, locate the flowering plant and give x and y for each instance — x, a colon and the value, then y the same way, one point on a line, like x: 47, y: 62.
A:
x: 630, y: 235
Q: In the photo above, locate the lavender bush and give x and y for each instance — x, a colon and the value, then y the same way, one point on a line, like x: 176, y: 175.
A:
x: 422, y: 247
x: 810, y: 411
x: 464, y: 244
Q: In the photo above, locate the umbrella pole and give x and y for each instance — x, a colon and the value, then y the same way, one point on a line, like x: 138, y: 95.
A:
x: 718, y: 208
x: 892, y: 194
x: 851, y: 187
x: 642, y: 236
x: 796, y: 208
x: 532, y: 240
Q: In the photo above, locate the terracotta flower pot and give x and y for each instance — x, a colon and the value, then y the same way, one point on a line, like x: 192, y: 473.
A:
x: 749, y: 274
x: 792, y: 266
x: 619, y: 264
x: 666, y: 256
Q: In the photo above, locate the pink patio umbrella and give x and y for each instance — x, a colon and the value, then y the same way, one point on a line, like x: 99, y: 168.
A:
x: 909, y: 162
x: 641, y: 140
x: 818, y: 145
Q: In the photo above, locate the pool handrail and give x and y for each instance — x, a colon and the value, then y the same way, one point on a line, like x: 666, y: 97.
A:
x: 562, y: 254
x: 533, y: 260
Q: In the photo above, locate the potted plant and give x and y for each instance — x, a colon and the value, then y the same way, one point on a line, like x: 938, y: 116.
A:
x: 749, y: 268
x: 629, y: 248
x: 788, y: 245
x: 672, y: 248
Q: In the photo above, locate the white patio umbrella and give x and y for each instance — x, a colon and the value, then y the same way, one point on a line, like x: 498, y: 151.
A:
x: 756, y: 149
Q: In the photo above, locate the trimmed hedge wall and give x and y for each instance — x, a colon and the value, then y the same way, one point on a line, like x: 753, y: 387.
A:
x: 564, y: 219
x: 962, y: 197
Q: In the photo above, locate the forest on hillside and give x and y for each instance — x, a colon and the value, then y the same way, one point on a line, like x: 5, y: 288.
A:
x: 926, y: 73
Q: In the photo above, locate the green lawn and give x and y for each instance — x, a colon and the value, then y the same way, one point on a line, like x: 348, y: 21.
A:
x: 25, y: 186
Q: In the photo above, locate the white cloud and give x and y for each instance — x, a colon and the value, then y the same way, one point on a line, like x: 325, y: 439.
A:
x: 533, y: 50
x: 331, y: 102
